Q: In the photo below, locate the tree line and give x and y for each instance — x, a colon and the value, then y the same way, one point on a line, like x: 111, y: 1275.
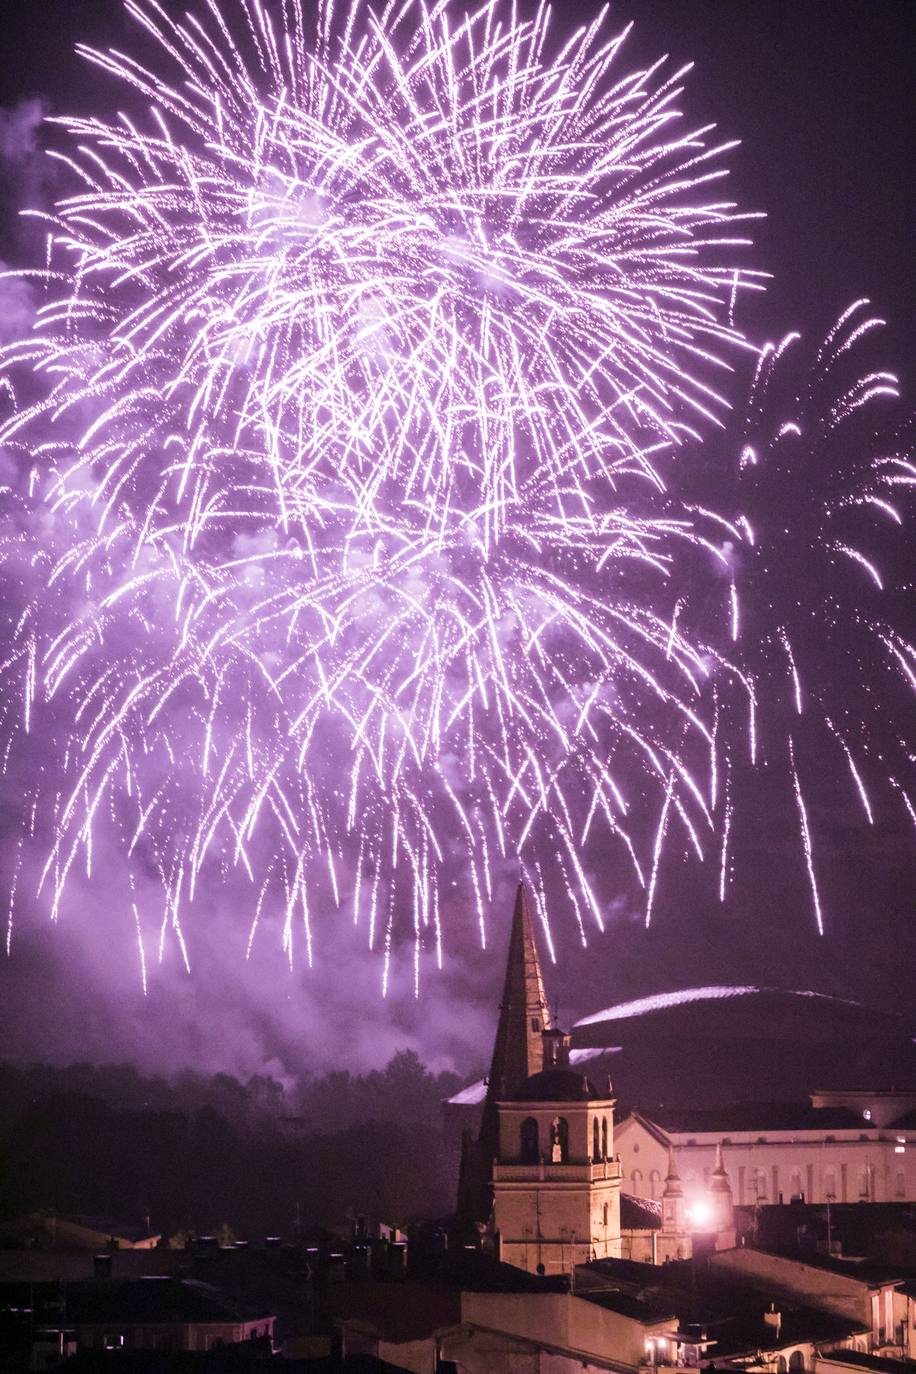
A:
x: 192, y: 1152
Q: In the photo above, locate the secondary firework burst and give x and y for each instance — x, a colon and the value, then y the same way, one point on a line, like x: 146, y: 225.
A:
x: 814, y: 486
x: 345, y: 423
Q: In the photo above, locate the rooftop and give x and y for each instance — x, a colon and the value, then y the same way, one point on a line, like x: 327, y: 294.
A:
x: 879, y: 1363
x: 867, y: 1271
x: 758, y: 1116
x: 718, y: 1306
x: 558, y: 1085
x: 639, y: 1213
x: 152, y: 1299
x: 399, y: 1312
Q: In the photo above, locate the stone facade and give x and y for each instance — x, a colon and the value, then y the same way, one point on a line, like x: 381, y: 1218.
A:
x: 850, y: 1164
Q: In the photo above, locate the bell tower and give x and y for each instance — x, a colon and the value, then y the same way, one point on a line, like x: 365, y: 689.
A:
x: 556, y: 1183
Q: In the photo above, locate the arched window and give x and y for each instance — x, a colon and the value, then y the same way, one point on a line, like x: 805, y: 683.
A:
x: 760, y: 1185
x: 899, y: 1184
x: 530, y: 1144
x: 596, y: 1142
x: 863, y: 1182
x: 781, y: 1365
x: 796, y: 1186
x: 655, y: 1179
x: 605, y: 1216
x: 797, y: 1362
x: 559, y: 1140
x: 830, y: 1188
x: 604, y: 1138
x: 636, y: 1182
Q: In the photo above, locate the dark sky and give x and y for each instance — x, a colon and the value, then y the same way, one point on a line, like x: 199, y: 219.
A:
x: 820, y: 92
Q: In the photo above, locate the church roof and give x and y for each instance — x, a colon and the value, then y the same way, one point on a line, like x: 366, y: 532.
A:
x: 740, y: 1013
x: 558, y: 1085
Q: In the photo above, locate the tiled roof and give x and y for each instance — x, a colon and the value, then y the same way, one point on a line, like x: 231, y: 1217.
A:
x: 730, y: 1312
x: 639, y: 1213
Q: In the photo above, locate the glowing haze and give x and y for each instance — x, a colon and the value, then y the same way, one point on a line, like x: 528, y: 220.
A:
x: 350, y: 548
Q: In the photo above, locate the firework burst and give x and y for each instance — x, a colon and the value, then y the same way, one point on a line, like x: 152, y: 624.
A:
x: 818, y: 486
x: 352, y: 428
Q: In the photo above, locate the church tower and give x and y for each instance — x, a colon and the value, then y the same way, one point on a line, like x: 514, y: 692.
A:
x: 556, y: 1183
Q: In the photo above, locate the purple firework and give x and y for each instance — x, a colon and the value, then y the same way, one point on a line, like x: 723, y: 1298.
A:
x: 342, y: 543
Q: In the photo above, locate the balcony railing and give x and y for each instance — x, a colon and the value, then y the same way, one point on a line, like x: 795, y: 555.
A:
x: 557, y: 1173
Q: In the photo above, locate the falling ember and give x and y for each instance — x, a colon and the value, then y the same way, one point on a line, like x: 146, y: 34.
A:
x: 724, y: 872
x: 657, y: 850
x: 806, y: 841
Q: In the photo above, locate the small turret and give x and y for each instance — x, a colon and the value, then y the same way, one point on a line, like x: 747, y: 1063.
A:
x: 673, y: 1218
x: 720, y: 1204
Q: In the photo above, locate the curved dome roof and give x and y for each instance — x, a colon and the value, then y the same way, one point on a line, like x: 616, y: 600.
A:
x: 558, y: 1085
x: 757, y: 1013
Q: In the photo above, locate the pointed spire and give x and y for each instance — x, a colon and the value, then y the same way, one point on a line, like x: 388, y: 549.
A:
x: 518, y: 1051
x: 718, y: 1179
x: 672, y: 1178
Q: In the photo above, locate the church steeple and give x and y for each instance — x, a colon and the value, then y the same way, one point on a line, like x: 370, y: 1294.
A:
x: 518, y: 1051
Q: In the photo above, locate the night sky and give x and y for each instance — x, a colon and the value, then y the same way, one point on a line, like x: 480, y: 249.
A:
x: 821, y: 96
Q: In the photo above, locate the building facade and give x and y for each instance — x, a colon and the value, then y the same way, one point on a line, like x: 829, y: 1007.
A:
x: 787, y: 1153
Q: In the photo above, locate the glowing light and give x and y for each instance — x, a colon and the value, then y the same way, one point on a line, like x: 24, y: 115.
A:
x: 700, y: 1215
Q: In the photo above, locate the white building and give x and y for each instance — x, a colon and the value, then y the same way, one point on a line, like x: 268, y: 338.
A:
x: 827, y: 1152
